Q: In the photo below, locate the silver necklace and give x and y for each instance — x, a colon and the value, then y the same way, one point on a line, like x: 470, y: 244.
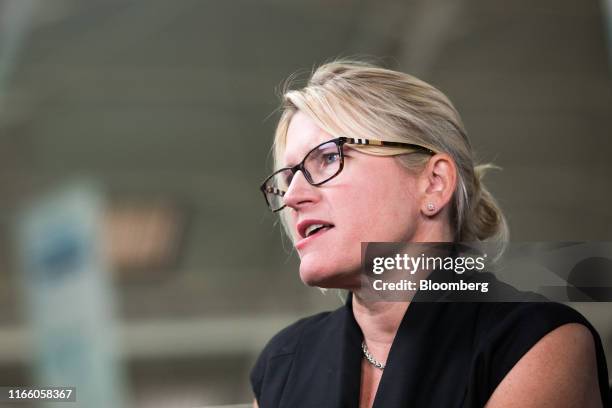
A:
x: 371, y: 358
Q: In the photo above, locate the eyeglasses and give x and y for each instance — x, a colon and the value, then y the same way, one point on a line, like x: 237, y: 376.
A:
x: 320, y: 165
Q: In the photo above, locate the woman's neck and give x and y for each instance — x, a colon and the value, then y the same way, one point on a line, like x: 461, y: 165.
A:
x: 378, y: 321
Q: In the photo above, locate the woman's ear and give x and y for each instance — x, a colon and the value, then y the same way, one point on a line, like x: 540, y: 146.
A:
x: 437, y: 181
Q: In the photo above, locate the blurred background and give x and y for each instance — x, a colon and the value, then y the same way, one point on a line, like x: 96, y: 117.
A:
x: 143, y: 129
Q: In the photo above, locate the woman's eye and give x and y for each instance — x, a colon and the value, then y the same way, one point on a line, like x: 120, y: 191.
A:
x: 330, y: 158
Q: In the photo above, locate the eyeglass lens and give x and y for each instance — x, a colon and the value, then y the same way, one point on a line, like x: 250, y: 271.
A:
x: 320, y: 164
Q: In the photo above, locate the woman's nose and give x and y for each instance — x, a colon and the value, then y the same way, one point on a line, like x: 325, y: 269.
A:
x: 300, y: 192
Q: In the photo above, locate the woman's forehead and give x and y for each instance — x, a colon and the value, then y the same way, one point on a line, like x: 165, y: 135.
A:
x: 302, y: 136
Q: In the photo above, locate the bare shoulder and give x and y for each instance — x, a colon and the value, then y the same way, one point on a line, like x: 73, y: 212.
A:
x: 560, y: 370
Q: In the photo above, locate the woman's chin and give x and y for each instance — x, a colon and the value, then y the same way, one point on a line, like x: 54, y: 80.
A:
x: 331, y: 279
x: 315, y: 279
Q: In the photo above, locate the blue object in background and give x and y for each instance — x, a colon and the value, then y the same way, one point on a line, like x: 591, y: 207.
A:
x: 68, y: 296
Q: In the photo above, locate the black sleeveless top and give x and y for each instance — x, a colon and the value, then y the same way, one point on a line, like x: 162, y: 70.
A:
x: 445, y: 354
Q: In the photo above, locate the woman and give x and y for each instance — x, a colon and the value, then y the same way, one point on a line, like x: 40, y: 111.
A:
x: 373, y: 155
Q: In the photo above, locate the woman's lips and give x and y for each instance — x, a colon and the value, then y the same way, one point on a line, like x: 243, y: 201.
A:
x: 301, y: 243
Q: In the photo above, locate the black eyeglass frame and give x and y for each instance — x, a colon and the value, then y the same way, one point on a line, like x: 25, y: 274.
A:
x: 339, y: 141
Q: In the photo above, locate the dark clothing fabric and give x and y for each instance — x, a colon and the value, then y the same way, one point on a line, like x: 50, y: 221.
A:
x: 445, y: 354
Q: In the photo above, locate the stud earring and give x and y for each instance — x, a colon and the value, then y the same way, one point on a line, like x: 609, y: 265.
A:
x: 431, y: 207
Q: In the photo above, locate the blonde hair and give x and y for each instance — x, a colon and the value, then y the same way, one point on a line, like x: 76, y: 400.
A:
x: 360, y: 100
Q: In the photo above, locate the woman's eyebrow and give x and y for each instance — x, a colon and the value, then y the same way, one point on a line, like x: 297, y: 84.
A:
x: 303, y: 154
